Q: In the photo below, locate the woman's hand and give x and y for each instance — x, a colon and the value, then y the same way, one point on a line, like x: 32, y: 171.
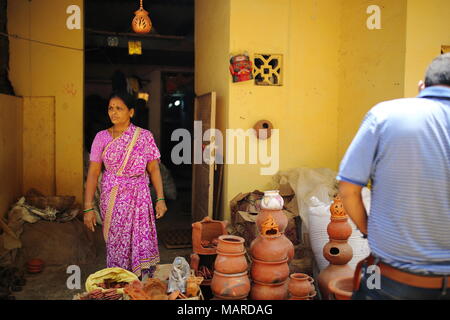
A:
x: 160, y: 209
x: 90, y: 220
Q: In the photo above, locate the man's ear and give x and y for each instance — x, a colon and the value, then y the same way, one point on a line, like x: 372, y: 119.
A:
x: 421, y: 85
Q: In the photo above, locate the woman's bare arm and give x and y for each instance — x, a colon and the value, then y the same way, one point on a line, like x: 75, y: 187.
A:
x: 91, y: 185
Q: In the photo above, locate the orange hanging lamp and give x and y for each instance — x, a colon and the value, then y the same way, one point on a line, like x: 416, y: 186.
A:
x: 141, y: 22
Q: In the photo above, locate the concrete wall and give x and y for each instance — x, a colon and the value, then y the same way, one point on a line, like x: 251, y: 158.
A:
x: 39, y: 70
x: 10, y: 151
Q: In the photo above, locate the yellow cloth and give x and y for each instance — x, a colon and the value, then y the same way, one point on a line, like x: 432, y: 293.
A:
x: 115, y: 274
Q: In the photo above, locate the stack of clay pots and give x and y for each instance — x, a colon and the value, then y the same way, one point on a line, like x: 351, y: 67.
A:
x: 337, y: 251
x: 271, y: 251
x: 230, y: 280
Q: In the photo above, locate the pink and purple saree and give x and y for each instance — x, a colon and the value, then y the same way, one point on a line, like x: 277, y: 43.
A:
x: 125, y: 203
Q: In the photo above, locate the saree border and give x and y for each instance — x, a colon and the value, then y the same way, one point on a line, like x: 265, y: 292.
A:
x: 114, y: 190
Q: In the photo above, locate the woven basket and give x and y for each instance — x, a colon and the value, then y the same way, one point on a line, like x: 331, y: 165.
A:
x: 60, y: 203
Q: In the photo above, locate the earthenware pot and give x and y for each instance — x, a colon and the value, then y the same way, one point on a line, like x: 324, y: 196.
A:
x: 329, y: 274
x: 272, y: 248
x: 338, y: 252
x: 272, y: 200
x: 339, y: 228
x: 279, y: 216
x: 337, y: 208
x: 230, y: 262
x: 270, y: 272
x: 234, y: 285
x: 310, y: 296
x: 231, y: 244
x: 299, y: 284
x: 35, y: 265
x: 341, y: 288
x: 268, y: 291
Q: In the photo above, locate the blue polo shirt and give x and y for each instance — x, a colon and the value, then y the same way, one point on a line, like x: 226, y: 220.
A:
x: 403, y: 147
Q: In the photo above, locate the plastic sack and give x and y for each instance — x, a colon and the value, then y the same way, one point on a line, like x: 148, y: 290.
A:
x: 178, y: 275
x: 313, y: 188
x: 115, y: 274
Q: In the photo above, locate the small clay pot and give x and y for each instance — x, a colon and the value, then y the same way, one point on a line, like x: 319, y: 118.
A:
x: 228, y: 298
x: 231, y: 244
x: 280, y: 218
x: 272, y: 248
x: 338, y: 252
x: 269, y: 291
x: 330, y: 273
x: 230, y: 262
x: 341, y: 288
x: 337, y: 208
x: 339, y: 228
x: 234, y: 285
x: 270, y: 272
x: 272, y: 200
x: 35, y: 265
x: 300, y: 285
x: 310, y: 296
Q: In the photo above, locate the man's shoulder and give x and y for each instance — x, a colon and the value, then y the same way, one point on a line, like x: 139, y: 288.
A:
x: 397, y: 107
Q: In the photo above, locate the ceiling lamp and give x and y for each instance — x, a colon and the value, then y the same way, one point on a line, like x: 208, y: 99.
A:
x: 141, y: 22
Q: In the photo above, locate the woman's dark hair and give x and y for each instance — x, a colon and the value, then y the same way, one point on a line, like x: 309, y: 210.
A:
x: 127, y: 98
x: 438, y: 72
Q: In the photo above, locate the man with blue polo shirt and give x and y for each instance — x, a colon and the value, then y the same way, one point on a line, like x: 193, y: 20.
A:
x: 403, y: 148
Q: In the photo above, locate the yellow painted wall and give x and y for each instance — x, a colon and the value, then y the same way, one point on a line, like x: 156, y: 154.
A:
x: 10, y: 151
x: 304, y: 108
x: 39, y: 70
x: 212, y: 42
x: 371, y: 63
x: 39, y: 139
x: 428, y: 27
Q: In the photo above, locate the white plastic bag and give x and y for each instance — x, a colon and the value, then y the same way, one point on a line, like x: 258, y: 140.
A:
x: 178, y: 275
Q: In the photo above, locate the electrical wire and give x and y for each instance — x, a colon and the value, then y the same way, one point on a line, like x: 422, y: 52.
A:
x: 15, y: 36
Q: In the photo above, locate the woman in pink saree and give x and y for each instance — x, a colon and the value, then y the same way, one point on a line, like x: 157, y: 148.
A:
x: 130, y: 158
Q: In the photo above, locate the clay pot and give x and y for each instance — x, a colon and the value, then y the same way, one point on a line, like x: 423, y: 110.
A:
x: 35, y: 265
x: 329, y: 274
x: 231, y: 244
x: 270, y: 272
x: 338, y: 252
x: 337, y: 208
x: 228, y: 298
x: 342, y: 288
x: 272, y: 200
x: 272, y: 248
x: 234, y: 285
x: 339, y: 228
x: 195, y: 261
x: 230, y: 262
x: 268, y: 291
x: 280, y: 218
x: 300, y: 285
x: 310, y: 296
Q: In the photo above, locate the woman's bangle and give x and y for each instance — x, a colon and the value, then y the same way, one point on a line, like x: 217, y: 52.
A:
x: 159, y: 199
x: 87, y: 210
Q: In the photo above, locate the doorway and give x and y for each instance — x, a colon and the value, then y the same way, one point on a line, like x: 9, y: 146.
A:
x: 161, y: 78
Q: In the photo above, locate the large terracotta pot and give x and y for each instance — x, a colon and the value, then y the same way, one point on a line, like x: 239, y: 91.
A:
x: 339, y: 228
x: 270, y: 272
x: 231, y: 244
x: 341, y: 288
x: 329, y: 274
x: 272, y: 248
x: 268, y: 291
x: 230, y: 262
x: 280, y: 218
x: 338, y: 252
x: 235, y: 285
x: 300, y: 284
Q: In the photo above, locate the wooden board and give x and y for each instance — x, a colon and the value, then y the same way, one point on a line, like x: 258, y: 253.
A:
x: 203, y: 174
